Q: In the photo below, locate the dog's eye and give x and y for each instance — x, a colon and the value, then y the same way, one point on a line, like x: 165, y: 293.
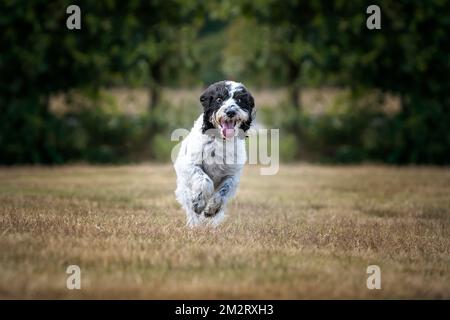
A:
x: 238, y: 100
x: 219, y: 99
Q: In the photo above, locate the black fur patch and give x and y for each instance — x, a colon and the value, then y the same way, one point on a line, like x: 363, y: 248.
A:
x: 224, y: 190
x: 246, y: 102
x: 196, y: 206
x: 212, y: 212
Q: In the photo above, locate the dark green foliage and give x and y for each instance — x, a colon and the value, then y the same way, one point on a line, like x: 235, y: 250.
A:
x: 261, y: 42
x: 119, y: 42
x: 328, y: 41
x: 357, y: 135
x: 88, y: 135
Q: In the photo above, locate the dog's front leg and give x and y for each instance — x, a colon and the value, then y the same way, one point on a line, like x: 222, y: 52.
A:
x: 220, y: 197
x: 202, y: 189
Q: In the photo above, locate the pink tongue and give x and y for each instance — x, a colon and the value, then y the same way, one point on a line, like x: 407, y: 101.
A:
x: 227, y: 129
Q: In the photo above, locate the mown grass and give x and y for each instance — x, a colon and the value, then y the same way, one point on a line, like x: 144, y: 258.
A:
x: 307, y: 232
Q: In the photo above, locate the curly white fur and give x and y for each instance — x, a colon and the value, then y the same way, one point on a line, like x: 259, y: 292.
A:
x: 208, y: 171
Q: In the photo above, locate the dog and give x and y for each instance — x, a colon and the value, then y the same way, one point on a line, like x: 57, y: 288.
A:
x: 211, y: 157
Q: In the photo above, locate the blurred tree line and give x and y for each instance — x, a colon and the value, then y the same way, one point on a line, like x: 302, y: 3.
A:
x: 120, y: 42
x: 264, y: 43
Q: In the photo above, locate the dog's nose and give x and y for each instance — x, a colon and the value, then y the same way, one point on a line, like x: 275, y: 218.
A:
x: 230, y: 113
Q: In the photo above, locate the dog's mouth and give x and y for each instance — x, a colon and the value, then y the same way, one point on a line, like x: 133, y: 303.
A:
x: 228, y: 128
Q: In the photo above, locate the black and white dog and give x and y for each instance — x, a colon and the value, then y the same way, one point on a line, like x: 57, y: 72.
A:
x: 211, y: 157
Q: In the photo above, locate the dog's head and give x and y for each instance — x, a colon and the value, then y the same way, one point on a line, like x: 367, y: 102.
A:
x: 228, y: 107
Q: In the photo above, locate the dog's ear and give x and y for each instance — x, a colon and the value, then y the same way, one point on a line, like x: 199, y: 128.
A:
x: 251, y: 107
x: 205, y: 98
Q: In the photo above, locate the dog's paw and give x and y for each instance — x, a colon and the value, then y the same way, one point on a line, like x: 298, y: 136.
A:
x: 213, y: 206
x: 198, y: 203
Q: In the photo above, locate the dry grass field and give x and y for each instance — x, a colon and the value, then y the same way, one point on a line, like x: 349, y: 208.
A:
x: 308, y: 232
